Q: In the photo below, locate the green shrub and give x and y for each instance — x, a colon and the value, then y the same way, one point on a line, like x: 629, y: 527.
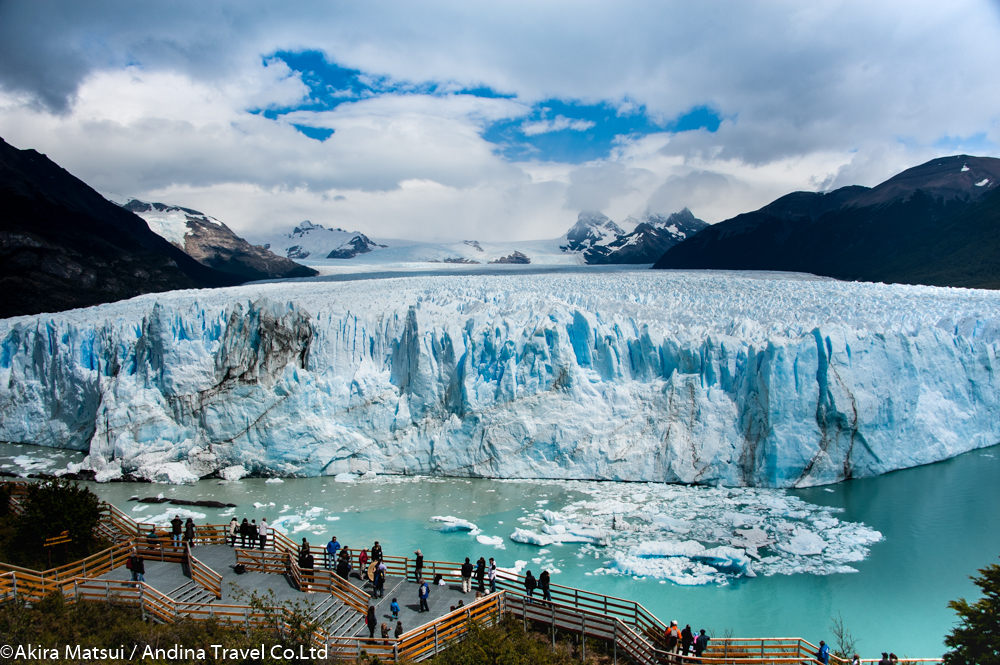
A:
x: 976, y: 639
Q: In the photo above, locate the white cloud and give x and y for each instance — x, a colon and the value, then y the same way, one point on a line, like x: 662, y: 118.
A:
x: 559, y: 123
x: 156, y: 102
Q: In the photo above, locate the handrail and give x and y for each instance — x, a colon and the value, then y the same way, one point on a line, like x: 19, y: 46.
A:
x: 203, y: 575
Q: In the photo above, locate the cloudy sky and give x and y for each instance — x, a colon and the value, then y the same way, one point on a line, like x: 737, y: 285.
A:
x: 492, y: 120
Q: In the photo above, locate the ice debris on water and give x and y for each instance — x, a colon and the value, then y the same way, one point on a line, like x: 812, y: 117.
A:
x: 733, y: 378
x: 450, y: 523
x: 695, y: 535
x: 495, y: 541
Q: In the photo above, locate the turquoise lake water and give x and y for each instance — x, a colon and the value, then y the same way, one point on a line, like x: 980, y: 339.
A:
x: 940, y: 523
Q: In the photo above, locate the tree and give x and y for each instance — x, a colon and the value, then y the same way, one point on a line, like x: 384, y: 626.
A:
x: 976, y: 639
x: 54, y: 506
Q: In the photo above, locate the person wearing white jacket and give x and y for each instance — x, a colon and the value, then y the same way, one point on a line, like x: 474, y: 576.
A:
x: 234, y: 530
x: 262, y: 532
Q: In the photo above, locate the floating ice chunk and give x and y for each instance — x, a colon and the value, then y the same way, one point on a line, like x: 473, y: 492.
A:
x: 164, y: 518
x: 496, y: 541
x: 450, y: 523
x: 804, y: 543
x: 274, y: 480
x: 566, y: 535
x: 333, y: 518
x: 233, y: 473
x: 671, y: 524
x: 140, y: 508
x: 315, y: 510
x: 259, y: 505
x: 345, y: 478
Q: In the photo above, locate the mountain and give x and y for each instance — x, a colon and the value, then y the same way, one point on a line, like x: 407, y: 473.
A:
x: 63, y: 245
x: 932, y: 224
x: 655, y: 376
x: 212, y: 243
x: 308, y: 240
x: 601, y: 241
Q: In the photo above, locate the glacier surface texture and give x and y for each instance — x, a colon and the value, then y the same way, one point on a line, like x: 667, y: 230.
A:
x: 713, y: 378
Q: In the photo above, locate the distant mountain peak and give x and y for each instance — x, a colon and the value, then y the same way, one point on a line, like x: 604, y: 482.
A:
x: 602, y: 241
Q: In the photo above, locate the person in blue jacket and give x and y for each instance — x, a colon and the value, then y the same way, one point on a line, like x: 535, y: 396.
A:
x: 823, y: 655
x: 331, y: 552
x: 424, y: 592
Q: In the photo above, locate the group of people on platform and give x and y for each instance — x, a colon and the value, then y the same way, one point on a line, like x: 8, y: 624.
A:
x: 249, y: 532
x: 685, y: 642
x: 482, y: 572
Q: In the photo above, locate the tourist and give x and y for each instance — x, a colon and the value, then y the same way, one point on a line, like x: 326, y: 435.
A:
x: 385, y: 633
x: 394, y: 608
x: 491, y: 573
x: 687, y: 639
x: 152, y: 539
x: 244, y: 532
x: 371, y: 621
x: 399, y: 629
x: 344, y: 568
x: 466, y: 576
x: 331, y: 552
x: 262, y: 532
x: 543, y: 584
x: 418, y: 566
x: 254, y: 534
x: 701, y: 643
x: 189, y: 532
x: 424, y: 591
x: 529, y: 585
x: 134, y: 563
x: 673, y: 637
x: 363, y: 564
x: 823, y: 655
x: 893, y: 659
x: 378, y: 583
x: 234, y: 530
x: 439, y: 580
x: 176, y: 525
x: 481, y: 574
x: 303, y: 551
x: 856, y: 660
x: 885, y: 659
x: 376, y: 552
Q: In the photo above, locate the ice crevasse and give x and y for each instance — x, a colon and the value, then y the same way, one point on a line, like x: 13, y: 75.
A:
x: 732, y: 379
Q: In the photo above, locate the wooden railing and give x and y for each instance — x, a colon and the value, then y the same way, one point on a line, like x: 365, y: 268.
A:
x: 203, y: 575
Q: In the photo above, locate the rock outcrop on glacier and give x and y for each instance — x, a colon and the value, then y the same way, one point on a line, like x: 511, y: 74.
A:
x: 706, y: 378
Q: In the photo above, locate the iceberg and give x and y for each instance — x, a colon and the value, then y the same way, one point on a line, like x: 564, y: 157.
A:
x: 727, y: 379
x: 450, y: 523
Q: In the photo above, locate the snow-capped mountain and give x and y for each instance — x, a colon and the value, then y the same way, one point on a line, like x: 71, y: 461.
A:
x: 765, y: 380
x: 601, y: 241
x: 315, y: 241
x: 212, y: 243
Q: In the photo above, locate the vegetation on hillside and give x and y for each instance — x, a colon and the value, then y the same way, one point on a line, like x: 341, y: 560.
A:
x: 51, y: 507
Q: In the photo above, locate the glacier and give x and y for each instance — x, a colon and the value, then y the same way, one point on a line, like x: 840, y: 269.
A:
x: 736, y: 379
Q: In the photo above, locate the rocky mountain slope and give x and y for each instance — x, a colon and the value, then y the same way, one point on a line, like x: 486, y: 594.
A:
x: 212, y: 243
x: 315, y: 241
x: 601, y: 241
x: 933, y: 224
x: 63, y: 245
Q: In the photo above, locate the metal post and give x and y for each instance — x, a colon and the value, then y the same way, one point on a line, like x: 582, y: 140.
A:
x: 395, y: 651
x: 583, y: 630
x: 553, y: 606
x: 524, y: 612
x: 107, y: 590
x: 614, y: 637
x: 435, y: 639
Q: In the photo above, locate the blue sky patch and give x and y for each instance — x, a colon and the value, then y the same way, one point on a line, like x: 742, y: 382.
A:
x: 554, y: 130
x: 977, y: 144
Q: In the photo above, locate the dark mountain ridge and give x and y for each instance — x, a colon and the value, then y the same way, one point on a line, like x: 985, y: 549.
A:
x: 63, y: 245
x: 933, y: 224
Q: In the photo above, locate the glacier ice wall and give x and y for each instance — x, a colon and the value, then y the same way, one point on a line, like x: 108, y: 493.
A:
x: 736, y: 379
